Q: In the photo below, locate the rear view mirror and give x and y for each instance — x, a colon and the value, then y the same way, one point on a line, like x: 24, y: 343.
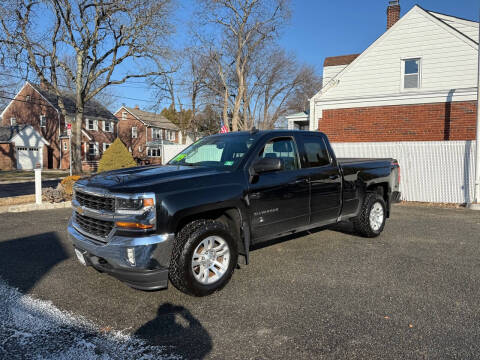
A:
x: 268, y: 165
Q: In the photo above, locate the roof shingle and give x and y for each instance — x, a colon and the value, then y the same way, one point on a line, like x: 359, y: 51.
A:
x: 152, y: 119
x: 340, y: 60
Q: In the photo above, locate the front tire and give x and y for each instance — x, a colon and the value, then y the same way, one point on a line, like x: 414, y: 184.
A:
x: 203, y: 258
x: 371, y: 219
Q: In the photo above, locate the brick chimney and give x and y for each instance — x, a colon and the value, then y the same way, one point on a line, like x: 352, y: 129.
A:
x: 137, y: 107
x: 393, y: 13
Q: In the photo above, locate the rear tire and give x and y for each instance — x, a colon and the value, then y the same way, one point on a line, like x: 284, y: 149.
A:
x: 371, y: 219
x: 209, y: 244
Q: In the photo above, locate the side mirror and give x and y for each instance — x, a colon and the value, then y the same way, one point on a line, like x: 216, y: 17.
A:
x: 267, y: 165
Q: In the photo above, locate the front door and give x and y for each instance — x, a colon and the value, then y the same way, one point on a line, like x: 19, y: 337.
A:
x: 279, y: 201
x: 325, y: 180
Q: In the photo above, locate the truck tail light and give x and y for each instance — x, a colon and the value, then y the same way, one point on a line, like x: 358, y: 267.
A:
x: 397, y: 165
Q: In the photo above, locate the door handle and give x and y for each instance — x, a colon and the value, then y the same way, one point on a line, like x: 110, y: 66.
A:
x: 300, y: 181
x: 333, y: 177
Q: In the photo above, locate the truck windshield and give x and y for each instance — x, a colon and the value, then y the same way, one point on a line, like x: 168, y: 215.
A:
x: 219, y: 151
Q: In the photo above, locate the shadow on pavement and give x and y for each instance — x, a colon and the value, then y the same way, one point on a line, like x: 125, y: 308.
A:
x: 177, y: 329
x: 24, y: 261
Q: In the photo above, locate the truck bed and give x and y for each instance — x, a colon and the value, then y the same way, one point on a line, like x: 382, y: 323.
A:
x: 365, y: 162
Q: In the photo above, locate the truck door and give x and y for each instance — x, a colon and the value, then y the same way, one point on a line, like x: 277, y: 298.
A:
x: 279, y: 201
x: 325, y: 180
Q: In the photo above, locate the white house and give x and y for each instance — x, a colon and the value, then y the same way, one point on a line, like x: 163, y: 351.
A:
x: 416, y: 82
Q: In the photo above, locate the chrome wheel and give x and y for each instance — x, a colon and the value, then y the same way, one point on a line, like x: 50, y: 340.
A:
x: 210, y: 260
x: 376, y: 216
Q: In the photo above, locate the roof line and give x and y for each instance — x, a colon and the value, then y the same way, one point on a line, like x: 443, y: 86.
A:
x: 11, y: 101
x: 44, y: 98
x: 450, y: 26
x: 453, y: 16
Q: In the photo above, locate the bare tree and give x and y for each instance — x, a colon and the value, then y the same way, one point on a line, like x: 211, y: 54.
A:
x: 309, y: 85
x: 246, y: 25
x: 101, y: 35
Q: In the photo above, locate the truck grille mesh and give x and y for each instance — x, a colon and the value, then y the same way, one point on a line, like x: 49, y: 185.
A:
x: 92, y: 226
x: 95, y: 202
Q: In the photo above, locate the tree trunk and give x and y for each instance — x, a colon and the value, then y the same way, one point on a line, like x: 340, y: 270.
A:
x: 225, y: 108
x: 76, y: 147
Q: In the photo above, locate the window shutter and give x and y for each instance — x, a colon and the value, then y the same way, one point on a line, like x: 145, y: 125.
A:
x: 95, y: 124
x: 103, y: 125
x: 96, y: 148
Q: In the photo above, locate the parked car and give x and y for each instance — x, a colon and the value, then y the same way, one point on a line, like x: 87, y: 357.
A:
x: 190, y: 220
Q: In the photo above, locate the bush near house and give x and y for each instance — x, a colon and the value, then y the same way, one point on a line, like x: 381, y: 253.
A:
x: 116, y: 156
x: 68, y: 182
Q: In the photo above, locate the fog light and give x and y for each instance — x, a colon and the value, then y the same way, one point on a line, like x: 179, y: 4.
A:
x: 131, y: 256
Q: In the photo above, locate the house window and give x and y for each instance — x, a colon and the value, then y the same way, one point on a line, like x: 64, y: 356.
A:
x: 170, y: 135
x: 28, y: 98
x: 153, y: 152
x: 13, y: 121
x: 134, y: 132
x: 92, y: 125
x: 411, y: 73
x: 105, y: 146
x: 107, y: 126
x: 43, y: 120
x: 156, y: 133
x: 93, y: 149
x: 124, y: 115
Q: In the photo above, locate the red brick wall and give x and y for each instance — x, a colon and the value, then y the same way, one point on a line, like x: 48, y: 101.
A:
x: 424, y: 122
x: 125, y: 134
x: 7, y: 157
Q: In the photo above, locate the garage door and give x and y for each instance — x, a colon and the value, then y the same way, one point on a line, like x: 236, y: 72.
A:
x: 28, y: 157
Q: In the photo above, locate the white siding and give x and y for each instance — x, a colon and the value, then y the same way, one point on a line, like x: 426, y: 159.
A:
x: 330, y: 72
x: 448, y: 62
x: 431, y: 171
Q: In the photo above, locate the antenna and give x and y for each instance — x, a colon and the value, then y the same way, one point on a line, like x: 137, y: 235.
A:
x: 394, y: 2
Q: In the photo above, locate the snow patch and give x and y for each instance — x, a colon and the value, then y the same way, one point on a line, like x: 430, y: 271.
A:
x: 36, y: 329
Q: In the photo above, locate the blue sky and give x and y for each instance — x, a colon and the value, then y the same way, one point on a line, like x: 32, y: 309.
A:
x: 322, y: 28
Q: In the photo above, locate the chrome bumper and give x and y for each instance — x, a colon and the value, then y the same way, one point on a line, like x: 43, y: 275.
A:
x: 151, y: 251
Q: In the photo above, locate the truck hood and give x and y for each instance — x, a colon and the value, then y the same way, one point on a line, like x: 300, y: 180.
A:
x: 133, y: 179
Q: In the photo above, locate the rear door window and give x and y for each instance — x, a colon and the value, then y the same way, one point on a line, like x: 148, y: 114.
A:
x: 316, y: 153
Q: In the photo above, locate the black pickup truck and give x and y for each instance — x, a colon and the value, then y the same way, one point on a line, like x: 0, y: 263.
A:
x: 190, y: 220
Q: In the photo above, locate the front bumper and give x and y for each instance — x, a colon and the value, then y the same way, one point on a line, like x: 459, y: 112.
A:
x: 151, y: 253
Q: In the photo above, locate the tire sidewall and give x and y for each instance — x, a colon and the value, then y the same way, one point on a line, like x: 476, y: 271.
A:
x: 194, y: 239
x: 373, y: 201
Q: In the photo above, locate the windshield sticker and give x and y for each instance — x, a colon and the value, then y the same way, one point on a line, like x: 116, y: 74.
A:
x: 228, y: 163
x: 180, y: 157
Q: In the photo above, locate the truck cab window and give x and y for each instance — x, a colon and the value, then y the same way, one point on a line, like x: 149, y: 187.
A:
x: 281, y: 149
x: 315, y: 151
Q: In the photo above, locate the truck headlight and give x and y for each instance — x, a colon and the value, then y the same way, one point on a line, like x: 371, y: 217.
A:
x: 133, y: 206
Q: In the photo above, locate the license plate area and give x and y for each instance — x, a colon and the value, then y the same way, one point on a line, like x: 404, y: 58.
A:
x: 80, y: 257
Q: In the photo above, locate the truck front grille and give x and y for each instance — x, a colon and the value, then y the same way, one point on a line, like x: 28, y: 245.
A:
x: 95, y: 202
x: 92, y: 226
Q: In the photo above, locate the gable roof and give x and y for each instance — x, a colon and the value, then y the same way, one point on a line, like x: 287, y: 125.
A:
x: 440, y: 19
x: 92, y: 109
x: 339, y: 60
x: 9, y: 134
x: 152, y: 119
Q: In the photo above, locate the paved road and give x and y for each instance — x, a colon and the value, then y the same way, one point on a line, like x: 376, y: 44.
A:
x: 412, y: 293
x: 24, y: 188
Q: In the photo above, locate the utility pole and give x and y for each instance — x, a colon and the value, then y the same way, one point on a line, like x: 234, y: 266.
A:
x: 476, y: 200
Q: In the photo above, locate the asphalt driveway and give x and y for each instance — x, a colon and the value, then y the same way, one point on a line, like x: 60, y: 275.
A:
x: 411, y: 293
x: 24, y: 188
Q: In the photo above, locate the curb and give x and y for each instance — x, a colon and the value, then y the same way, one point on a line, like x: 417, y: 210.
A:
x: 34, y: 207
x: 473, y: 206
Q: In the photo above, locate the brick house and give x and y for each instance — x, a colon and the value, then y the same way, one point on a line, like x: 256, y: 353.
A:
x: 34, y: 105
x: 144, y: 133
x: 416, y: 82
